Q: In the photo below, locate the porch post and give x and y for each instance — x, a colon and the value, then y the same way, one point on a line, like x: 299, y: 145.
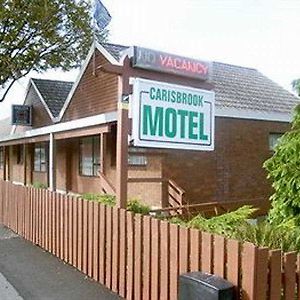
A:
x: 4, y: 164
x: 8, y: 152
x: 102, y: 152
x: 25, y: 164
x: 52, y: 165
x: 122, y: 156
x: 122, y: 136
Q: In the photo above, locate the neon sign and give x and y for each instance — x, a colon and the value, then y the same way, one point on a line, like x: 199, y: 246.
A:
x: 169, y: 63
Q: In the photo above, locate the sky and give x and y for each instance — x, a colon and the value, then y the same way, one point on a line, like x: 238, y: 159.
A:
x: 261, y: 34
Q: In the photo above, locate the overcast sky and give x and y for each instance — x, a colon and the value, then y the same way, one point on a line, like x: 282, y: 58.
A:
x: 256, y: 33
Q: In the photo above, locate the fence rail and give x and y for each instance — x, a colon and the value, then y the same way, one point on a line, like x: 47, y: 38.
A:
x: 140, y: 257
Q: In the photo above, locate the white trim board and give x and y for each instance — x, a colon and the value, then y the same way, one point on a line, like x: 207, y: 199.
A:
x: 66, y: 126
x: 253, y: 114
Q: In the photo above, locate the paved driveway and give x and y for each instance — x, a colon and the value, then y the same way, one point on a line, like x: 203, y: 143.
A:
x: 29, y: 273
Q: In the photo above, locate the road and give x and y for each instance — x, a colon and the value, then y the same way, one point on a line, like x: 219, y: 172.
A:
x: 29, y: 273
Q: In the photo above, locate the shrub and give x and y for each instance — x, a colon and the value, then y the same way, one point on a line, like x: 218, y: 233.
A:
x: 136, y: 206
x: 224, y: 224
x: 269, y: 235
x: 102, y: 198
x: 284, y: 170
x: 39, y: 185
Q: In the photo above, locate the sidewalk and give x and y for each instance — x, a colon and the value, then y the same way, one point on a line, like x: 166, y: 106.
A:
x: 29, y: 273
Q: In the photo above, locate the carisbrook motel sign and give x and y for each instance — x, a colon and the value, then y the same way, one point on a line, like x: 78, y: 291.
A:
x: 172, y: 116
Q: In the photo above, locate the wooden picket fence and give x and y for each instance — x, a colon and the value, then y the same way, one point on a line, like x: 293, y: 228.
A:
x: 140, y: 257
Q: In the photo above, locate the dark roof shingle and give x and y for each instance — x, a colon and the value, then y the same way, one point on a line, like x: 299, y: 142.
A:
x: 54, y: 92
x: 240, y: 87
x: 246, y: 88
x: 114, y: 49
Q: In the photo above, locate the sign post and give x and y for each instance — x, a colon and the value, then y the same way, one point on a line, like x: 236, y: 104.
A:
x: 172, y: 116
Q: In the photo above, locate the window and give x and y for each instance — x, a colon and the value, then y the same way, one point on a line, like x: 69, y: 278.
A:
x: 137, y: 160
x: 274, y: 139
x: 1, y: 157
x: 89, y: 158
x: 40, y: 162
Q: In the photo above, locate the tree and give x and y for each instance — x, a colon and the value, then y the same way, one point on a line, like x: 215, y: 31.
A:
x: 296, y: 86
x: 284, y: 170
x: 42, y: 34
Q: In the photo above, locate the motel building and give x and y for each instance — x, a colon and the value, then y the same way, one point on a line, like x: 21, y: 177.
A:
x: 139, y: 123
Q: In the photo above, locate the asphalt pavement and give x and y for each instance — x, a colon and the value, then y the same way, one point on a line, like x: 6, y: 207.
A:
x: 27, y: 272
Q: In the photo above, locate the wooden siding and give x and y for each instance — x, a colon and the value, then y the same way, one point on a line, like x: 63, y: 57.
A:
x: 95, y: 94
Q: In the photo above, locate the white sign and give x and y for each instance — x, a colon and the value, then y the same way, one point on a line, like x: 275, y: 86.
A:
x: 172, y: 116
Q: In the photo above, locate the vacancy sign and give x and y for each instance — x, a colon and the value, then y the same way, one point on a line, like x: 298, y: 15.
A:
x: 172, y: 116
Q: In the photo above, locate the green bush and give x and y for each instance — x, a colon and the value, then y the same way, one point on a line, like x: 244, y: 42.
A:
x: 102, y: 198
x: 284, y: 170
x: 136, y: 206
x: 39, y: 185
x: 269, y: 235
x: 225, y: 224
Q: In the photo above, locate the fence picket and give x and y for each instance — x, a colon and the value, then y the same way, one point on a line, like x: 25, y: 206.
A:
x: 79, y: 234
x: 155, y: 258
x: 249, y: 260
x: 219, y: 255
x: 233, y: 265
x: 174, y: 267
x: 138, y: 256
x: 138, y: 223
x: 108, y: 248
x: 194, y: 250
x: 102, y: 242
x: 261, y: 284
x: 96, y: 241
x: 147, y: 257
x: 66, y: 228
x: 115, y: 249
x: 289, y: 278
x: 298, y: 276
x: 70, y: 230
x: 130, y: 256
x: 122, y: 253
x: 164, y: 260
x: 275, y: 275
x: 207, y: 252
x: 75, y: 225
x: 90, y: 261
x: 183, y: 250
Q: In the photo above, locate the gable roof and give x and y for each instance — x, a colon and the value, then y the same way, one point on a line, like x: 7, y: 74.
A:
x: 247, y: 88
x: 115, y: 50
x: 240, y: 88
x: 53, y: 92
x: 240, y: 92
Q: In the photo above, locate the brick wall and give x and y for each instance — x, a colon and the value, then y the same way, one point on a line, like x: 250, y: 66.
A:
x: 234, y: 170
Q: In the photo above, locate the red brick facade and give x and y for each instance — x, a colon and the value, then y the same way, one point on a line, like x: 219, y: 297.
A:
x: 234, y: 170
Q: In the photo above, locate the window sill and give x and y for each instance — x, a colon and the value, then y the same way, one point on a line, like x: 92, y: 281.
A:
x: 89, y: 176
